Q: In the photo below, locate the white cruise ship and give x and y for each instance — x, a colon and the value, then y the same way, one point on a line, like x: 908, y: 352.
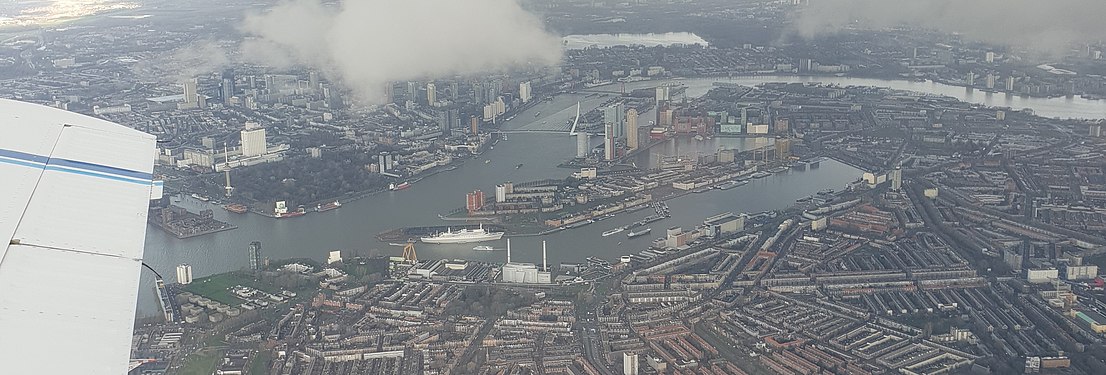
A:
x: 463, y: 236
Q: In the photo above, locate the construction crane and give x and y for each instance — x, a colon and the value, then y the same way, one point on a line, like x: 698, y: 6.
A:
x: 409, y: 255
x: 409, y: 252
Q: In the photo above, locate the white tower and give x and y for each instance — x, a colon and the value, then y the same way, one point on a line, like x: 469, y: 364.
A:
x: 184, y: 274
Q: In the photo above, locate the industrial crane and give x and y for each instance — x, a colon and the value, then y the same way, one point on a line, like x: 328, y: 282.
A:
x: 408, y: 251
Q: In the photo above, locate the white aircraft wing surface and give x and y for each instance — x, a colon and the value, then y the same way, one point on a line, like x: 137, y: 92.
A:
x: 74, y: 195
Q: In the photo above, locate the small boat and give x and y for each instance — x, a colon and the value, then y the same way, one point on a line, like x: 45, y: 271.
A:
x: 613, y: 231
x: 640, y: 233
x: 518, y: 166
x: 483, y: 248
x: 291, y: 214
x: 729, y: 185
x: 328, y: 206
x: 486, y: 161
x: 237, y: 208
x: 400, y: 186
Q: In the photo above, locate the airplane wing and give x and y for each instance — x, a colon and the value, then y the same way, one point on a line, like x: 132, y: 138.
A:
x: 74, y: 194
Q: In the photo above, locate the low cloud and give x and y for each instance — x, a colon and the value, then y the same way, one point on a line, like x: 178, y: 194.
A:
x: 189, y: 61
x: 366, y: 43
x: 1051, y: 26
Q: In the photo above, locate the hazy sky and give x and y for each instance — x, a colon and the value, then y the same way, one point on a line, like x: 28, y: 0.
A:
x: 369, y: 42
x: 1042, y: 25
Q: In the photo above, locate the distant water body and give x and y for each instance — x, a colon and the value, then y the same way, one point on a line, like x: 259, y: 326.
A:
x: 648, y: 40
x: 1059, y: 107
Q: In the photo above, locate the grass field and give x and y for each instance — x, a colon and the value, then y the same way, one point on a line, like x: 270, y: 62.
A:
x: 200, y: 363
x: 259, y: 363
x: 215, y: 287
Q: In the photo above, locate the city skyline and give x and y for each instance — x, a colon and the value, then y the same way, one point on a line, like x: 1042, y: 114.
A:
x: 525, y: 187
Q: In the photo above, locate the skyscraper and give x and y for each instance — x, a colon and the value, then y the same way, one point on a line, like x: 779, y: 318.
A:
x: 255, y: 256
x: 783, y: 148
x: 386, y: 161
x: 184, y: 274
x: 448, y: 119
x: 253, y: 140
x: 631, y: 129
x: 227, y: 87
x: 582, y: 145
x: 454, y: 119
x: 412, y: 91
x: 313, y: 80
x: 663, y: 94
x: 190, y: 92
x: 608, y: 140
x: 613, y: 115
x: 443, y: 122
x: 524, y: 92
x: 478, y: 94
x: 431, y: 94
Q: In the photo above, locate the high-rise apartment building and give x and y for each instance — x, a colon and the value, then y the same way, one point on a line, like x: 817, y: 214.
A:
x: 184, y: 274
x: 190, y: 90
x: 253, y: 140
x: 254, y: 252
x: 525, y: 93
x: 629, y: 363
x: 631, y: 129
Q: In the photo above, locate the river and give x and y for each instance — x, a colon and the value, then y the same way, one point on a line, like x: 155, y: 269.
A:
x: 1061, y: 107
x: 354, y: 226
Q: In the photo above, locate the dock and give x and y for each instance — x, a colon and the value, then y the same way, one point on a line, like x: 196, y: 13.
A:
x: 182, y: 223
